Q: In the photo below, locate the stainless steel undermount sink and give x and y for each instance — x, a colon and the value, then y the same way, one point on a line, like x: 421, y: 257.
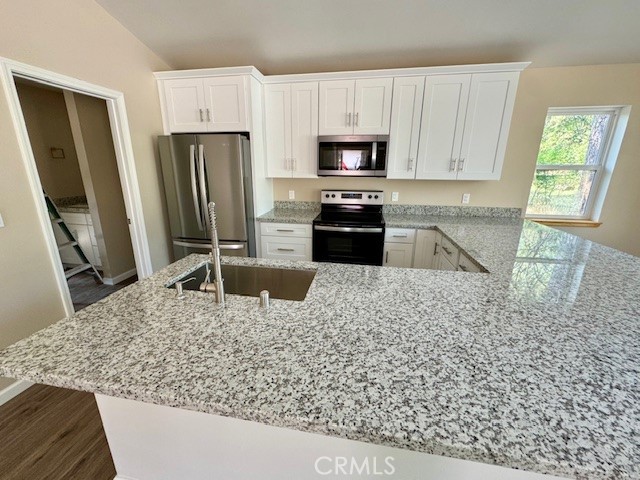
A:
x: 282, y: 283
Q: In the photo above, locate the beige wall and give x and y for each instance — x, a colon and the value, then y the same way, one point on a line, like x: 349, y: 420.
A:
x: 45, y: 114
x: 90, y: 124
x: 79, y: 39
x: 538, y: 90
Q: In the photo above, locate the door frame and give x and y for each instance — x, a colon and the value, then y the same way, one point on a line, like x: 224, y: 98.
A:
x: 124, y: 158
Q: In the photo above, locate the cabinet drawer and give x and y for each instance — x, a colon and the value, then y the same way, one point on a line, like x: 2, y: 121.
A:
x: 285, y: 230
x: 286, y: 248
x: 399, y: 235
x: 449, y: 251
x: 465, y: 264
x: 444, y: 264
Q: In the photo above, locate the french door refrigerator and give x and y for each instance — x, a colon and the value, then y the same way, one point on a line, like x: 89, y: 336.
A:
x: 198, y: 169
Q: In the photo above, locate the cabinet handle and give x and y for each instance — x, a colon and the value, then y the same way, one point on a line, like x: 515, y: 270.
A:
x: 460, y: 164
x: 452, y: 165
x: 349, y: 119
x: 446, y: 250
x: 284, y: 230
x: 286, y: 250
x: 410, y: 164
x: 386, y: 258
x: 463, y: 268
x: 400, y: 235
x: 208, y: 115
x: 435, y: 248
x: 201, y: 117
x: 356, y: 118
x: 294, y: 164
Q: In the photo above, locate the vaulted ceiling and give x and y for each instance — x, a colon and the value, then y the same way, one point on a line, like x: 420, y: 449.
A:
x: 296, y: 36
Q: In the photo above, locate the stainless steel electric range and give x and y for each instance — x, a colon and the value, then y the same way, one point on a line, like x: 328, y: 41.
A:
x: 350, y: 227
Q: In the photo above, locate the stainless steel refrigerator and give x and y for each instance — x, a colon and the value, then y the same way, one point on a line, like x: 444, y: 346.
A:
x: 198, y: 169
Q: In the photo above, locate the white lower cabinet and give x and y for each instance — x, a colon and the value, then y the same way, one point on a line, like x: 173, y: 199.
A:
x: 425, y: 251
x: 465, y: 264
x: 81, y: 227
x: 285, y: 241
x: 398, y: 247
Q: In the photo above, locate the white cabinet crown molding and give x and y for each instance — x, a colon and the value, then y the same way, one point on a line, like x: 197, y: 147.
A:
x: 313, y: 77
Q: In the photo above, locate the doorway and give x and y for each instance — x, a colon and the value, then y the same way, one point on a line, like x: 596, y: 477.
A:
x: 72, y: 144
x: 121, y: 141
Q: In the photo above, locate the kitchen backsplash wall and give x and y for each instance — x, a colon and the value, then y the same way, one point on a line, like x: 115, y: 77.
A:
x: 411, y: 192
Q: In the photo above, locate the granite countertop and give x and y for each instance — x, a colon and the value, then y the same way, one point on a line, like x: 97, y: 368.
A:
x: 534, y: 365
x: 289, y: 215
x: 77, y: 208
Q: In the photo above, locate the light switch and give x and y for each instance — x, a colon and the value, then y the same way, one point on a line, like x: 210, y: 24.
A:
x: 394, y: 196
x: 1, y: 221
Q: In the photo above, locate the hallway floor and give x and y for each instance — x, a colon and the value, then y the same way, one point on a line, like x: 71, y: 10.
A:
x: 85, y: 291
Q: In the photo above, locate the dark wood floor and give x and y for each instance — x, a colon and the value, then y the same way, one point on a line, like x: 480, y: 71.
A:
x: 54, y: 434
x: 85, y: 291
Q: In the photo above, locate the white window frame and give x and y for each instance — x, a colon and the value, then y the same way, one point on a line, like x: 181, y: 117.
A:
x: 608, y: 156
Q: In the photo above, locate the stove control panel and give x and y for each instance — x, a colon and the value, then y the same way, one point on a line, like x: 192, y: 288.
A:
x: 352, y: 197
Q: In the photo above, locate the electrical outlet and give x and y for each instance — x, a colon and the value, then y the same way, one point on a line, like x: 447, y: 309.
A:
x: 466, y: 197
x: 292, y: 194
x: 394, y: 196
x: 1, y: 222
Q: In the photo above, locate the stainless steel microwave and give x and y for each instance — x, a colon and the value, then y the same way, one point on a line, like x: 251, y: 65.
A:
x: 353, y: 155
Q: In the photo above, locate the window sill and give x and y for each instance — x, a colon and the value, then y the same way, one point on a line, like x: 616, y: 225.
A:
x: 565, y: 222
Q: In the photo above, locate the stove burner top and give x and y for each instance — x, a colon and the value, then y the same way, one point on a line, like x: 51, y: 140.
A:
x: 362, y: 208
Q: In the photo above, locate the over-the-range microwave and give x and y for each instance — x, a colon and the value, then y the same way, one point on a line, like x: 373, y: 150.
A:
x: 353, y: 155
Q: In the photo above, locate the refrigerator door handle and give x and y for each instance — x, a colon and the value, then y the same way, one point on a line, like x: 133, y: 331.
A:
x: 203, y: 185
x: 194, y: 185
x: 223, y: 246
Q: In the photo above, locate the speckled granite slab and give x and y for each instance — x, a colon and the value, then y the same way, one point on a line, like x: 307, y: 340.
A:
x: 289, y: 215
x: 533, y: 366
x: 443, y: 210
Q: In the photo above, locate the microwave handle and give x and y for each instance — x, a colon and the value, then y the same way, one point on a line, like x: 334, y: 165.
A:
x: 374, y: 155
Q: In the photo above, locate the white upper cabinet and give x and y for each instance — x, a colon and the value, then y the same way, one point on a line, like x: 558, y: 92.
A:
x: 360, y: 107
x: 486, y: 126
x: 443, y: 112
x: 225, y: 104
x: 215, y: 104
x: 465, y: 124
x: 405, y: 127
x: 184, y: 102
x: 291, y: 123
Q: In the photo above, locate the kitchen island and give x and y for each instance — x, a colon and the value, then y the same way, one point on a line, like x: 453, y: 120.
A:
x: 532, y: 366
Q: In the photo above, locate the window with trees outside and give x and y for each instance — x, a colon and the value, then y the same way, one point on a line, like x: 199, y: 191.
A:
x: 571, y: 162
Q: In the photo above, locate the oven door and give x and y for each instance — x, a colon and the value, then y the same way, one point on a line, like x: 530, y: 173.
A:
x: 338, y: 244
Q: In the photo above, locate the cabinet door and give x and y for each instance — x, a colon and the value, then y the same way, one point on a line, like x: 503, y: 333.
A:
x: 225, y: 103
x: 404, y: 133
x: 185, y: 106
x: 277, y: 121
x: 486, y: 128
x: 336, y: 107
x: 398, y: 255
x: 443, y: 114
x: 304, y: 129
x: 372, y: 110
x: 425, y: 249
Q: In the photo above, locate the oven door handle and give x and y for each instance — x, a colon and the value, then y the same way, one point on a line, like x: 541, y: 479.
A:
x: 325, y: 228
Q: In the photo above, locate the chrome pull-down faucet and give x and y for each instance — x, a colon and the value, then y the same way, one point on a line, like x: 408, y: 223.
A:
x: 215, y: 255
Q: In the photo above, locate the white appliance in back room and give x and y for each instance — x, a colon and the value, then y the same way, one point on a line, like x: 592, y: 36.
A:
x: 198, y: 169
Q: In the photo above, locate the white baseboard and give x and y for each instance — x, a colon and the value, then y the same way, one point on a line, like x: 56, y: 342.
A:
x: 119, y: 278
x: 13, y: 390
x: 120, y: 477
